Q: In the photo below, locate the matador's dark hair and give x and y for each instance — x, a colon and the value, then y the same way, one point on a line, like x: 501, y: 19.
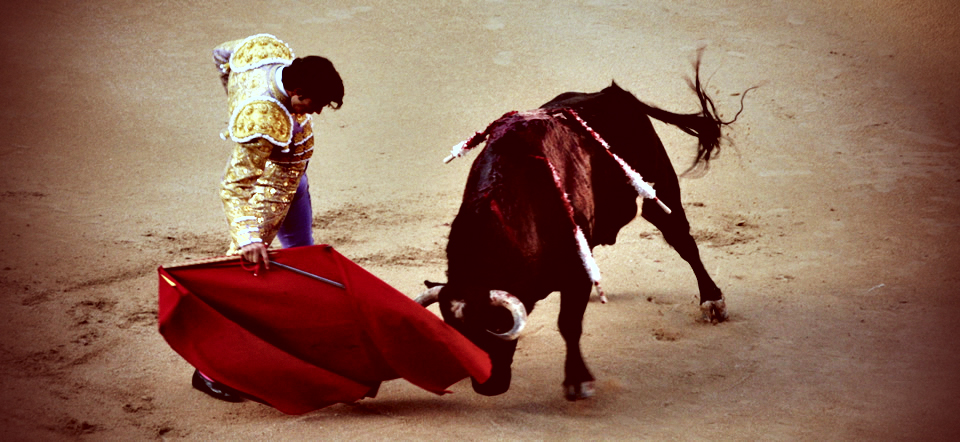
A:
x: 315, y: 78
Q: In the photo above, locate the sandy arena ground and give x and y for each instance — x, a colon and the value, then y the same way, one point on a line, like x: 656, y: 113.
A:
x: 830, y: 219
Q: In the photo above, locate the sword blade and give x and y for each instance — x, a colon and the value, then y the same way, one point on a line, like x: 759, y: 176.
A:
x: 308, y: 274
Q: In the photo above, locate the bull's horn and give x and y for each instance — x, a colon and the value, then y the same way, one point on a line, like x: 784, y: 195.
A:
x: 429, y: 296
x: 510, y: 302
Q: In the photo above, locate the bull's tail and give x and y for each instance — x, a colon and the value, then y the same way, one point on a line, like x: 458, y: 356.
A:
x: 705, y: 125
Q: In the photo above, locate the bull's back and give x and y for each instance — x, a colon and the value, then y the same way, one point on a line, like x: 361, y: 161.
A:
x: 513, y: 228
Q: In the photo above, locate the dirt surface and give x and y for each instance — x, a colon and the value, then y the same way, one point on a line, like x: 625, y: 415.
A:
x: 829, y: 220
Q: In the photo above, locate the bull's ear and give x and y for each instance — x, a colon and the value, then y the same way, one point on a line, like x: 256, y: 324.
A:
x: 614, y: 84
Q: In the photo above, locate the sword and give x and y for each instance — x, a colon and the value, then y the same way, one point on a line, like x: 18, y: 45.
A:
x: 308, y: 274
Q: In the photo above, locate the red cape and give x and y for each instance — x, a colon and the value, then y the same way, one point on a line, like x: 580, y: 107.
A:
x: 300, y: 344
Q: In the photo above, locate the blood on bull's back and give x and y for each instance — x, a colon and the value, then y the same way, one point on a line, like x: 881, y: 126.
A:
x: 513, y: 222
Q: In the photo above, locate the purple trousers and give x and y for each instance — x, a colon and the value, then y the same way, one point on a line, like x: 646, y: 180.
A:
x: 296, y: 230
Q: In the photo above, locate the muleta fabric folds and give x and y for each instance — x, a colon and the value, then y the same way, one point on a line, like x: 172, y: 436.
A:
x: 299, y: 344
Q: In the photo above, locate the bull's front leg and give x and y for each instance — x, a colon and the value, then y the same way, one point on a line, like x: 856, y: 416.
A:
x: 578, y: 382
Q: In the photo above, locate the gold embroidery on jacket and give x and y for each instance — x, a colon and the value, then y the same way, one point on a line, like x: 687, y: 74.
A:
x: 258, y: 50
x: 261, y: 117
x: 304, y: 120
x: 268, y: 160
x: 257, y: 192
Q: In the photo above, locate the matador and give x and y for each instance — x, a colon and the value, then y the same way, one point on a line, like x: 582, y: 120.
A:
x: 271, y: 95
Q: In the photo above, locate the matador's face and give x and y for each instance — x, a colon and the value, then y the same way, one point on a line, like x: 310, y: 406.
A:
x: 303, y: 105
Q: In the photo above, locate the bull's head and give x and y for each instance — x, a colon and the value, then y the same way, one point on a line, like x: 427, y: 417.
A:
x: 491, y: 319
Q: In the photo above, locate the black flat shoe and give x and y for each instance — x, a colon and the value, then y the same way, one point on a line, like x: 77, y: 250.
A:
x: 215, y: 389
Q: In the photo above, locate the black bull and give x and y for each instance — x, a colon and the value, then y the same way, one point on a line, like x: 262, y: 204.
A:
x: 514, y: 231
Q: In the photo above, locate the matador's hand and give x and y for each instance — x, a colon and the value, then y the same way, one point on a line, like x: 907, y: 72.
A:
x: 256, y: 253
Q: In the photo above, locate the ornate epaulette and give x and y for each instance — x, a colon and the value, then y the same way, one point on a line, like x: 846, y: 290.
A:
x: 259, y: 50
x: 261, y: 117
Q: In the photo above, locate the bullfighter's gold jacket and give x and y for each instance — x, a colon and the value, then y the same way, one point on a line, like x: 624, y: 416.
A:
x: 273, y: 146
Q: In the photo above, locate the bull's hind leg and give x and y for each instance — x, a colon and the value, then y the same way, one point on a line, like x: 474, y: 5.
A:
x: 676, y: 230
x: 578, y: 382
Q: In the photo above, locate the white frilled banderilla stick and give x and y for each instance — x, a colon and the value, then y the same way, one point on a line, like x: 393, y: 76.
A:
x: 645, y: 190
x: 461, y: 149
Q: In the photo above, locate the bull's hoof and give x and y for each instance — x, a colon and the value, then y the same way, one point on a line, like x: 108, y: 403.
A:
x: 583, y: 390
x: 714, y: 311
